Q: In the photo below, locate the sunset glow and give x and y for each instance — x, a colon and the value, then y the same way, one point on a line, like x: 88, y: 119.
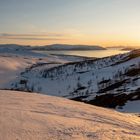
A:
x: 91, y: 22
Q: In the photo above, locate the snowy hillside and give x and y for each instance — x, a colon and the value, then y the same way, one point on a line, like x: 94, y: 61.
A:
x: 15, y: 58
x: 11, y: 66
x: 108, y: 82
x: 26, y: 116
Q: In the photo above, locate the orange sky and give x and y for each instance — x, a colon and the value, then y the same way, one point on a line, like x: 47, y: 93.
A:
x: 104, y: 40
x: 91, y: 22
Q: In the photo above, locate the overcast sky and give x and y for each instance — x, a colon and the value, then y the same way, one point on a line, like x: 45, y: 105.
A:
x: 101, y: 22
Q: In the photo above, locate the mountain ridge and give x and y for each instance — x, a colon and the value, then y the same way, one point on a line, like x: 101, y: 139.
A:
x: 52, y: 47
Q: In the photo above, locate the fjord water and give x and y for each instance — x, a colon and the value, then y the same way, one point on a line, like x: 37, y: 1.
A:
x: 88, y: 53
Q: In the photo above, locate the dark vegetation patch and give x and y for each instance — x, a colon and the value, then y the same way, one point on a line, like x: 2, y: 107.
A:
x: 112, y: 86
x: 23, y: 82
x: 81, y: 72
x: 79, y: 98
x: 122, y: 61
x: 88, y: 63
x: 104, y: 81
x: 133, y: 72
x: 135, y: 79
x: 111, y: 100
x: 60, y: 69
x: 81, y: 88
x: 78, y: 90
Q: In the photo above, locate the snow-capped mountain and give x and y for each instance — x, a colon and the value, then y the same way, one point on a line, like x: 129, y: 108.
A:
x: 26, y: 116
x: 109, y: 82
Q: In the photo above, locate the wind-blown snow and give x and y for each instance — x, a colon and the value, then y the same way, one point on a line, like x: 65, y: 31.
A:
x: 25, y: 116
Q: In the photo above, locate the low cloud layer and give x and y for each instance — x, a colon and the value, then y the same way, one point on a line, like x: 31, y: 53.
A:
x: 49, y: 36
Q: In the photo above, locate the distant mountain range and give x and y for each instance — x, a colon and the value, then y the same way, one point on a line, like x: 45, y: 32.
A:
x: 69, y: 47
x: 61, y: 47
x: 16, y: 47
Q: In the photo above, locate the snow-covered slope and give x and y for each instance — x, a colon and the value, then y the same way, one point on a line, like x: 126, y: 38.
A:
x: 15, y: 59
x: 109, y: 82
x: 25, y: 116
x: 11, y: 66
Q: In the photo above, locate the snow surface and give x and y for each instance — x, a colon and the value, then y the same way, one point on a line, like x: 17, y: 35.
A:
x: 83, y: 79
x: 67, y: 76
x: 10, y: 66
x: 14, y: 59
x: 26, y: 116
x: 132, y: 106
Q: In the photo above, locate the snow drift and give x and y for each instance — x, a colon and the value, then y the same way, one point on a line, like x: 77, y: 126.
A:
x: 26, y: 116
